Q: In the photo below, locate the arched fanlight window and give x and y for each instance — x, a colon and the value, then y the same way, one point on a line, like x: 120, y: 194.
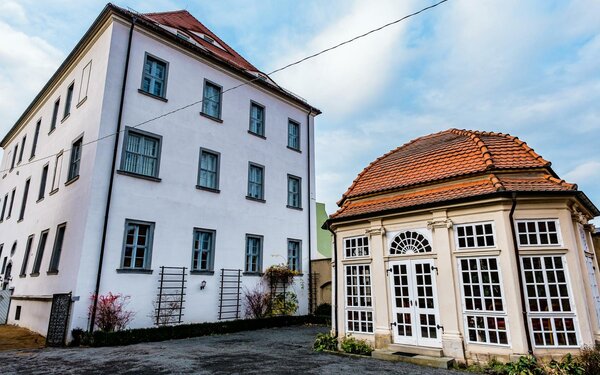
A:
x: 409, y: 242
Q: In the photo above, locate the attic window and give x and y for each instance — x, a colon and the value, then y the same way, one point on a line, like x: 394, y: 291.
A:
x: 208, y: 39
x: 183, y: 36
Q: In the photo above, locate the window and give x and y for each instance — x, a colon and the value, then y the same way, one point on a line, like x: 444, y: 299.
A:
x: 294, y: 185
x: 85, y: 82
x: 475, y: 235
x: 538, y: 232
x: 254, y: 246
x: 257, y: 119
x: 141, y: 153
x: 37, y: 263
x: 43, y: 182
x: 409, y: 242
x: 57, y: 171
x: 75, y: 159
x: 4, y: 207
x: 14, y: 158
x: 35, y: 138
x: 256, y: 176
x: 68, y: 101
x: 154, y: 78
x: 203, y: 250
x: 549, y: 307
x: 24, y: 201
x: 293, y: 135
x: 483, y: 304
x: 18, y: 313
x: 137, y: 247
x: 54, y: 115
x: 22, y: 149
x: 57, y: 249
x: 359, y: 303
x: 356, y: 247
x: 183, y: 36
x: 26, y: 256
x: 211, y: 100
x: 208, y: 174
x: 12, y: 200
x: 295, y: 255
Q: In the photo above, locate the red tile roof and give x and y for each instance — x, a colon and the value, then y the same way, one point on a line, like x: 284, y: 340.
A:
x: 184, y: 21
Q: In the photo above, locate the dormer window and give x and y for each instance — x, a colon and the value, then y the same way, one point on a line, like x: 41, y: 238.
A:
x: 183, y: 36
x: 208, y: 39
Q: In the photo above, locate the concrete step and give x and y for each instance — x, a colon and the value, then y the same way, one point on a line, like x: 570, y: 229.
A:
x: 422, y: 350
x: 417, y: 359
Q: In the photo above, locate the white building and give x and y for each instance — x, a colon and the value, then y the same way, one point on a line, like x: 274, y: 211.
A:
x: 224, y: 184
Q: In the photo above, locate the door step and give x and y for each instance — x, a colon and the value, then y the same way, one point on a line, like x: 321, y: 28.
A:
x: 420, y: 350
x: 417, y: 359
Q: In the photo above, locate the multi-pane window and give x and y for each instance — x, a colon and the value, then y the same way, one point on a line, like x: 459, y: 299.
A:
x: 3, y: 207
x: 154, y: 78
x: 68, y: 100
x: 294, y: 192
x: 253, y: 254
x: 40, y: 253
x: 54, y: 115
x: 485, y: 316
x: 75, y: 159
x: 257, y: 119
x: 295, y: 255
x: 26, y: 256
x: 256, y: 176
x: 43, y: 180
x: 36, y: 135
x: 142, y: 153
x: 203, y: 250
x: 549, y: 306
x: 475, y: 235
x: 22, y: 149
x: 359, y: 303
x: 137, y: 249
x: 14, y: 157
x: 57, y: 249
x: 12, y: 201
x: 24, y: 201
x: 208, y: 174
x: 356, y: 247
x: 538, y: 232
x: 211, y: 100
x: 293, y: 135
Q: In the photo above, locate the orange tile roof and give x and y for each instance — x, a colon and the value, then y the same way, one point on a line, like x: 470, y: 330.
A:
x: 444, y: 155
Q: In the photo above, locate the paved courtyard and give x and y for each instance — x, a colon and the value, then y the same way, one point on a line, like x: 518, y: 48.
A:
x: 269, y: 351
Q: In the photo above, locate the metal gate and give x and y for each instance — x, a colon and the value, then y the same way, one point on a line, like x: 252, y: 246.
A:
x: 4, y: 305
x: 59, y: 319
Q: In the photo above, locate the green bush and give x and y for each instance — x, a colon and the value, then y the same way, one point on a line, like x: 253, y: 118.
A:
x: 590, y: 360
x: 352, y: 345
x: 325, y: 341
x: 284, y: 304
x: 526, y: 365
x: 323, y: 309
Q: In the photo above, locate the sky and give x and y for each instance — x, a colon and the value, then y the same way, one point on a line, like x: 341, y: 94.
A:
x: 528, y: 68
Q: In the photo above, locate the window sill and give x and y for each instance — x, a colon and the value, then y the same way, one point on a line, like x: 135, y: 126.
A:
x: 52, y: 273
x: 202, y: 272
x: 256, y: 134
x: 252, y: 273
x: 81, y: 102
x: 295, y: 149
x: 22, y: 276
x: 34, y: 274
x: 72, y: 180
x: 216, y: 119
x: 52, y: 130
x: 39, y: 200
x: 134, y: 270
x: 208, y: 189
x: 294, y: 208
x: 31, y: 157
x: 162, y: 99
x: 52, y: 192
x: 255, y: 199
x: 21, y: 219
x: 143, y: 177
x: 65, y: 118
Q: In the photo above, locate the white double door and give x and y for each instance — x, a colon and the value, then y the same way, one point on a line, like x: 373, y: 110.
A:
x: 415, y: 312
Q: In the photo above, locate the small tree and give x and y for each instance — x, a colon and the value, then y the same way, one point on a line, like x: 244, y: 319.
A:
x: 110, y: 312
x: 167, y: 312
x: 257, y: 301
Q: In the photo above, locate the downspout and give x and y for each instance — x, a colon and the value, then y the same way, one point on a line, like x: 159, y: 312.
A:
x: 518, y: 259
x: 335, y: 282
x: 310, y: 277
x: 111, y: 180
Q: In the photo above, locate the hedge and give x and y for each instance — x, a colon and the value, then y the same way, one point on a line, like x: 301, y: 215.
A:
x: 183, y: 331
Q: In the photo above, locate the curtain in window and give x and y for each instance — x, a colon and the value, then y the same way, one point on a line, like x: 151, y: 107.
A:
x: 211, y: 101
x: 208, y: 170
x: 141, y: 155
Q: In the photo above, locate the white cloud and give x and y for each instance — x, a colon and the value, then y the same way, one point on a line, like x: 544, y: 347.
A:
x: 13, y: 12
x: 586, y: 174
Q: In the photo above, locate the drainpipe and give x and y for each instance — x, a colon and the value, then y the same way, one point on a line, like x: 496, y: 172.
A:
x: 310, y: 278
x: 335, y: 282
x: 111, y: 181
x: 518, y: 259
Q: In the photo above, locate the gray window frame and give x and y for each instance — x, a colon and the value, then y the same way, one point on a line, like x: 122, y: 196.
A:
x: 39, y: 255
x: 58, y: 162
x: 218, y: 172
x: 73, y: 172
x: 28, y: 246
x: 57, y: 249
x: 43, y: 181
x: 262, y: 191
x: 259, y: 261
x: 299, y: 255
x: 264, y: 120
x: 199, y: 251
x: 12, y: 201
x: 147, y: 267
x: 165, y: 80
x: 14, y: 157
x: 145, y: 134
x: 22, y: 150
x: 68, y: 100
x: 54, y: 115
x: 4, y: 208
x: 24, y: 198
x: 299, y: 179
x: 296, y: 123
x: 36, y: 136
x: 203, y: 112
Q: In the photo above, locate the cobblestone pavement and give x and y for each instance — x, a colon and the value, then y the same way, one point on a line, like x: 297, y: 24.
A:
x: 269, y: 351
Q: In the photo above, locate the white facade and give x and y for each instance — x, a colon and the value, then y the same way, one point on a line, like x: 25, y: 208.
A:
x: 171, y: 201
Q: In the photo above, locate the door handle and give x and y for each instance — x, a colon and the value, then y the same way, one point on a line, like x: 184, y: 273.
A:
x: 393, y: 324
